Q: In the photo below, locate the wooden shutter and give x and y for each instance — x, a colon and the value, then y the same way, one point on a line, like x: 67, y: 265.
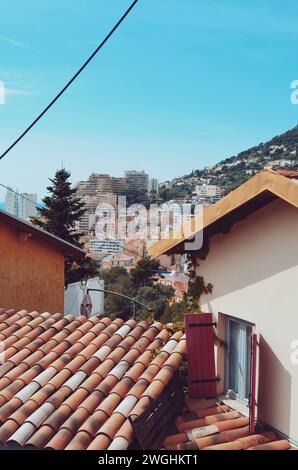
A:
x: 200, y: 355
x: 252, y: 398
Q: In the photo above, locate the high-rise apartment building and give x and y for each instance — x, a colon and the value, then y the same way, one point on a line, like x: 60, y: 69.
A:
x: 153, y: 186
x: 106, y: 198
x: 21, y: 205
x: 12, y: 202
x: 101, y: 188
x: 28, y: 203
x: 137, y: 181
x: 101, y: 183
x: 118, y: 185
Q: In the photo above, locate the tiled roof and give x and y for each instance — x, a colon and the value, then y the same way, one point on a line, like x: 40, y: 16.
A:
x: 208, y: 425
x: 73, y: 383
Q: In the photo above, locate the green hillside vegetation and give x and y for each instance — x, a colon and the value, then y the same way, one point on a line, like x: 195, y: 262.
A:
x: 279, y: 152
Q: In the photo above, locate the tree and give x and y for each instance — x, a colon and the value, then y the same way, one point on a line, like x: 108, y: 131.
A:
x: 110, y: 276
x: 174, y: 313
x: 59, y: 216
x: 117, y: 280
x: 116, y: 306
x: 156, y: 298
x: 141, y: 274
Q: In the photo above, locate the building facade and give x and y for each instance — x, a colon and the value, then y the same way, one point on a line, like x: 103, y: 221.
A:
x: 31, y: 266
x: 209, y: 192
x: 105, y: 247
x: 21, y: 205
x: 153, y: 186
x: 250, y: 256
x: 137, y: 181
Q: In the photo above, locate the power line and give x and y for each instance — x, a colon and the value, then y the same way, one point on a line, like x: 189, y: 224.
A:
x: 70, y: 81
x: 21, y: 195
x: 39, y: 206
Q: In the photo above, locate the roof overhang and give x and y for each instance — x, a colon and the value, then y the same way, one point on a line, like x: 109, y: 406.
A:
x: 26, y: 228
x: 258, y: 191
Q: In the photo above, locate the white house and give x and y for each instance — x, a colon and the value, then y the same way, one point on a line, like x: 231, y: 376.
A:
x: 251, y: 241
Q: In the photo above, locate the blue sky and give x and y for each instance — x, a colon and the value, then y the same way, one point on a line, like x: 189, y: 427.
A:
x: 182, y: 84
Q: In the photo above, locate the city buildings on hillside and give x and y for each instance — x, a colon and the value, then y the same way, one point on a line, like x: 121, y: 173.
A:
x: 101, y: 183
x: 22, y: 205
x: 134, y: 181
x: 102, y: 189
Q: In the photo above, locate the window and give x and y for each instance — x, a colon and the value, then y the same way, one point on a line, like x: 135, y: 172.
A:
x: 238, y: 358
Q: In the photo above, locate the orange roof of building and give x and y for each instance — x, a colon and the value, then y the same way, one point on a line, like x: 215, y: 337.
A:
x: 73, y: 383
x: 76, y: 384
x: 259, y: 190
x: 208, y: 425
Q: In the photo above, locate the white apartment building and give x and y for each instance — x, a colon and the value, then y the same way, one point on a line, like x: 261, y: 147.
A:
x: 153, y: 186
x: 22, y: 205
x: 106, y: 246
x: 209, y: 191
x: 12, y: 202
x: 28, y: 205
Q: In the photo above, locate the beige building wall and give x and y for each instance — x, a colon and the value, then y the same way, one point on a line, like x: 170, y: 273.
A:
x: 254, y: 270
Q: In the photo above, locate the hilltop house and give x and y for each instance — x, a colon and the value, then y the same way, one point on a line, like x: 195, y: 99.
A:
x: 31, y: 266
x: 251, y: 241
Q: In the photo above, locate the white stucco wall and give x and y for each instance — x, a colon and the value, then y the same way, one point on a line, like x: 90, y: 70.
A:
x: 254, y: 270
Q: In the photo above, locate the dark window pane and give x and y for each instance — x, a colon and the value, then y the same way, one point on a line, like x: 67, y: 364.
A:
x: 234, y: 356
x: 248, y: 360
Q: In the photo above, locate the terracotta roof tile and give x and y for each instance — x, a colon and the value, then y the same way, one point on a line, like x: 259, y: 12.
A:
x: 206, y: 421
x: 40, y: 438
x: 58, y: 417
x: 101, y: 442
x: 276, y: 445
x: 109, y: 403
x: 241, y: 444
x: 123, y: 387
x: 42, y: 394
x: 80, y: 442
x: 7, y: 430
x: 106, y: 385
x: 93, y: 400
x: 74, y: 382
x: 216, y: 427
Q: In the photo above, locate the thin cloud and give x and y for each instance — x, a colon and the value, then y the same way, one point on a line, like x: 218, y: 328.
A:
x: 16, y: 92
x: 15, y: 43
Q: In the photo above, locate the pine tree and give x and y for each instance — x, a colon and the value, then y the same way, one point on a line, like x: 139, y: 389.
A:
x: 59, y: 216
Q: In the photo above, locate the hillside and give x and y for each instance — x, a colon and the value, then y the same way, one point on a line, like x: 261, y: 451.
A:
x: 279, y: 152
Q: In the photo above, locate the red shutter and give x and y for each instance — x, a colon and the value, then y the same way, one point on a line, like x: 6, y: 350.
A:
x: 252, y: 398
x: 200, y: 355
